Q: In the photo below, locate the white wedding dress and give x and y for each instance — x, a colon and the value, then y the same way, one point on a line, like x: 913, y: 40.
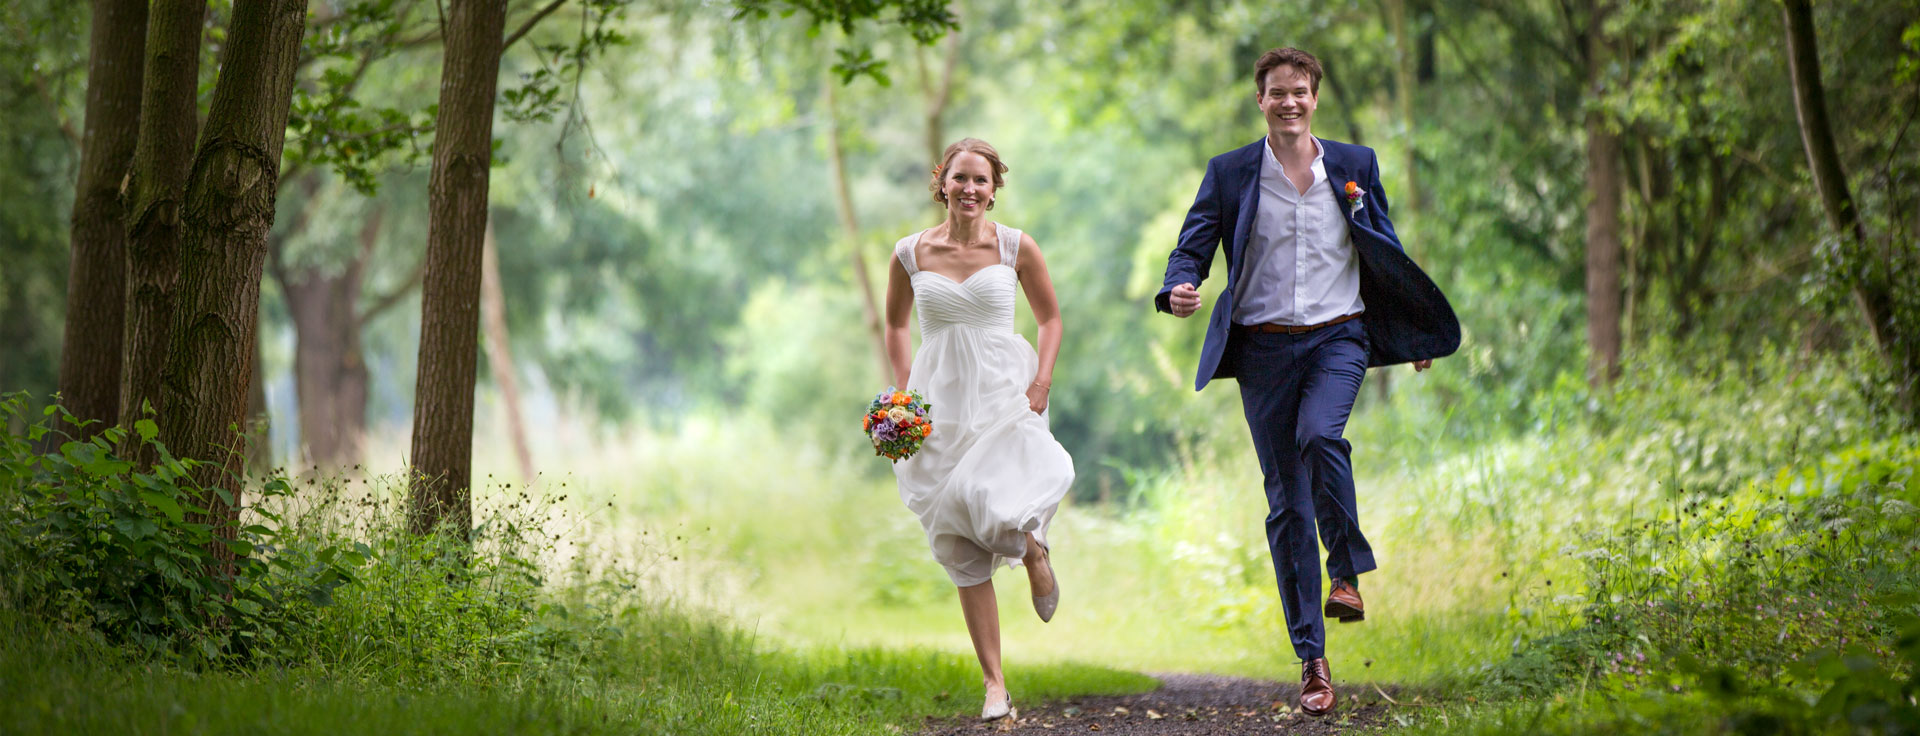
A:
x: 991, y: 471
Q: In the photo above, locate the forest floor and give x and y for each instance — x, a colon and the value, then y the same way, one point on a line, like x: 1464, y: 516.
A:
x: 1191, y: 705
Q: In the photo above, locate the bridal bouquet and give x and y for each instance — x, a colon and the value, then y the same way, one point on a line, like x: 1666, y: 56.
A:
x: 897, y: 423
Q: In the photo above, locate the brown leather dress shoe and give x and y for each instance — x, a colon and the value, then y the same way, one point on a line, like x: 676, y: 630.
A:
x: 1343, y: 602
x: 1316, y: 688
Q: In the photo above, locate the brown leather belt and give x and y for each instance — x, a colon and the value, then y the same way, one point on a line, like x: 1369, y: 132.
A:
x: 1271, y: 327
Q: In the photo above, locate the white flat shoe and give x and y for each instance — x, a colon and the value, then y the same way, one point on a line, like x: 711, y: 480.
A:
x: 1003, y: 708
x: 1045, y: 604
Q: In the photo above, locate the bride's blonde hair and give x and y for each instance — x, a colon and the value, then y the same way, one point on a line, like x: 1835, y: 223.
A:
x: 967, y: 145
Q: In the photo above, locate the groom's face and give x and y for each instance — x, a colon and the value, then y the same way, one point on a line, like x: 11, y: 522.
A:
x: 1288, y: 101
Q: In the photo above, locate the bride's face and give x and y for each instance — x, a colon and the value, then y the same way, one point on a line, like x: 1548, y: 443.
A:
x: 968, y: 184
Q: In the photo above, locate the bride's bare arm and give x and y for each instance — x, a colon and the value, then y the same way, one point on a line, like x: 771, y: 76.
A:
x: 899, y: 308
x: 1046, y: 311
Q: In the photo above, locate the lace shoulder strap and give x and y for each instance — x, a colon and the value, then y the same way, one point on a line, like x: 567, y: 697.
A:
x: 1009, y: 245
x: 903, y: 250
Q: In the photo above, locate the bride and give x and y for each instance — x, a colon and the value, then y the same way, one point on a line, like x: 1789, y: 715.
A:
x: 987, y: 481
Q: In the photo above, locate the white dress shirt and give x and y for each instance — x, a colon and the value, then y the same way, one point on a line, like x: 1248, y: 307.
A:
x: 1300, y: 267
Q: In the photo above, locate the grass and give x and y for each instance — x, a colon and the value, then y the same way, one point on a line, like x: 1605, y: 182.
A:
x: 711, y: 581
x: 666, y: 672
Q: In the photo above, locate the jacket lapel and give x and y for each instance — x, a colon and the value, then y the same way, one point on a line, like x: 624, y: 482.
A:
x: 1338, y: 174
x: 1248, y: 169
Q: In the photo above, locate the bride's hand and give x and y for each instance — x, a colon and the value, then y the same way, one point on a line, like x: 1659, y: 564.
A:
x: 1037, y: 396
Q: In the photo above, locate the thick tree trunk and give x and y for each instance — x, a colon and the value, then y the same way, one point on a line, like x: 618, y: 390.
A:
x: 493, y: 314
x: 330, y: 372
x: 169, y: 120
x: 259, y: 436
x: 228, y: 214
x: 1603, y: 219
x: 450, y: 294
x: 330, y: 376
x: 1872, y: 293
x: 869, y: 306
x: 97, y: 272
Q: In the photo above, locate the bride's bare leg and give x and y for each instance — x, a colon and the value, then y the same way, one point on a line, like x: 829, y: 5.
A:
x: 1039, y: 570
x: 983, y: 624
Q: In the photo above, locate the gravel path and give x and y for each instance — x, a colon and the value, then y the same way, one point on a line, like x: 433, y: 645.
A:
x: 1187, y: 705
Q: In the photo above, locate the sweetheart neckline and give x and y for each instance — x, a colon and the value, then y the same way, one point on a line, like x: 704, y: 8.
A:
x: 969, y: 278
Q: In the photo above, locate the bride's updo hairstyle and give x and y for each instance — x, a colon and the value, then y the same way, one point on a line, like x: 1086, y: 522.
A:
x: 967, y: 145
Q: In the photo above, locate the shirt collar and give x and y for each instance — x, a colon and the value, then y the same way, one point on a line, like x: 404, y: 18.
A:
x: 1318, y: 167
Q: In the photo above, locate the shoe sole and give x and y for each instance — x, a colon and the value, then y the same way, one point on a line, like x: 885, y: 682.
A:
x: 1346, y: 614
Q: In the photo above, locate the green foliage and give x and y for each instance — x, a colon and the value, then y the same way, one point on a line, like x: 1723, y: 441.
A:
x: 924, y: 20
x: 317, y: 576
x: 1752, y: 583
x: 89, y: 540
x: 42, y: 76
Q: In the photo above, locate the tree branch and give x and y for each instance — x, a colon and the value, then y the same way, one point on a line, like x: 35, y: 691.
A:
x: 399, y: 292
x: 531, y: 22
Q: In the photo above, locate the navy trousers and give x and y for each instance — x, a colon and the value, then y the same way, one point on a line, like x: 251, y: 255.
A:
x: 1297, y: 391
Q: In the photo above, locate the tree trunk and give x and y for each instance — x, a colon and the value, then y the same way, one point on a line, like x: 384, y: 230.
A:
x: 224, y: 227
x: 939, y: 94
x: 493, y: 314
x: 1603, y: 218
x: 97, y: 273
x: 1404, y: 89
x: 851, y: 224
x: 450, y: 294
x: 169, y: 120
x: 259, y: 421
x: 330, y: 373
x: 1428, y: 69
x: 1409, y: 196
x: 1823, y: 159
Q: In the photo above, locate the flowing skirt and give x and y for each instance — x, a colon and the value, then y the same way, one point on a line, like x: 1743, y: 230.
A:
x: 991, y: 471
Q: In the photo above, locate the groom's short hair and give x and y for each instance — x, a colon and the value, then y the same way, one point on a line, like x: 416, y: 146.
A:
x: 1288, y: 56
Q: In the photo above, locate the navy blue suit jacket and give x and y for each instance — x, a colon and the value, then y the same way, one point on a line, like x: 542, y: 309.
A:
x: 1407, y: 318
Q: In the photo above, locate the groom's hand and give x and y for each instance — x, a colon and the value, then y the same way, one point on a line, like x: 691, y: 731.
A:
x: 1185, y: 300
x: 1421, y: 365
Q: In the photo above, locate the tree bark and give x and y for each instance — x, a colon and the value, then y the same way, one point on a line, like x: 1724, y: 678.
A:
x: 330, y: 372
x: 1823, y: 159
x: 224, y: 227
x: 259, y: 421
x: 850, y: 223
x: 90, y: 353
x: 1603, y: 217
x: 169, y: 120
x: 493, y: 314
x: 450, y: 294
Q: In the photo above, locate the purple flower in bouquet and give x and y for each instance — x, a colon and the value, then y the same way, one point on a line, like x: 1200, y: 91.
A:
x: 886, y: 431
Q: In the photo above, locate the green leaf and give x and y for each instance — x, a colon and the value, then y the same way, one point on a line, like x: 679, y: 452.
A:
x: 240, y: 547
x: 147, y: 429
x: 165, y: 504
x: 137, y: 528
x: 320, y: 596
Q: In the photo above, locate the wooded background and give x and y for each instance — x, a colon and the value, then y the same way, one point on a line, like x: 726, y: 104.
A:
x: 267, y: 214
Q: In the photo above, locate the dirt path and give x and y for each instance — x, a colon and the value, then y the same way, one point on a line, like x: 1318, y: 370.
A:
x: 1186, y: 705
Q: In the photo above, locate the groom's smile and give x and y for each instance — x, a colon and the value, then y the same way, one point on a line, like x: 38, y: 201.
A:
x: 1288, y: 99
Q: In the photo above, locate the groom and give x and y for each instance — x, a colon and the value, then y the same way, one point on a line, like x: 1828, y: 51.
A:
x: 1318, y: 290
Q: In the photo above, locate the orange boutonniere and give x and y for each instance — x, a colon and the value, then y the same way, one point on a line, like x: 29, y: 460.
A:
x: 1355, y: 197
